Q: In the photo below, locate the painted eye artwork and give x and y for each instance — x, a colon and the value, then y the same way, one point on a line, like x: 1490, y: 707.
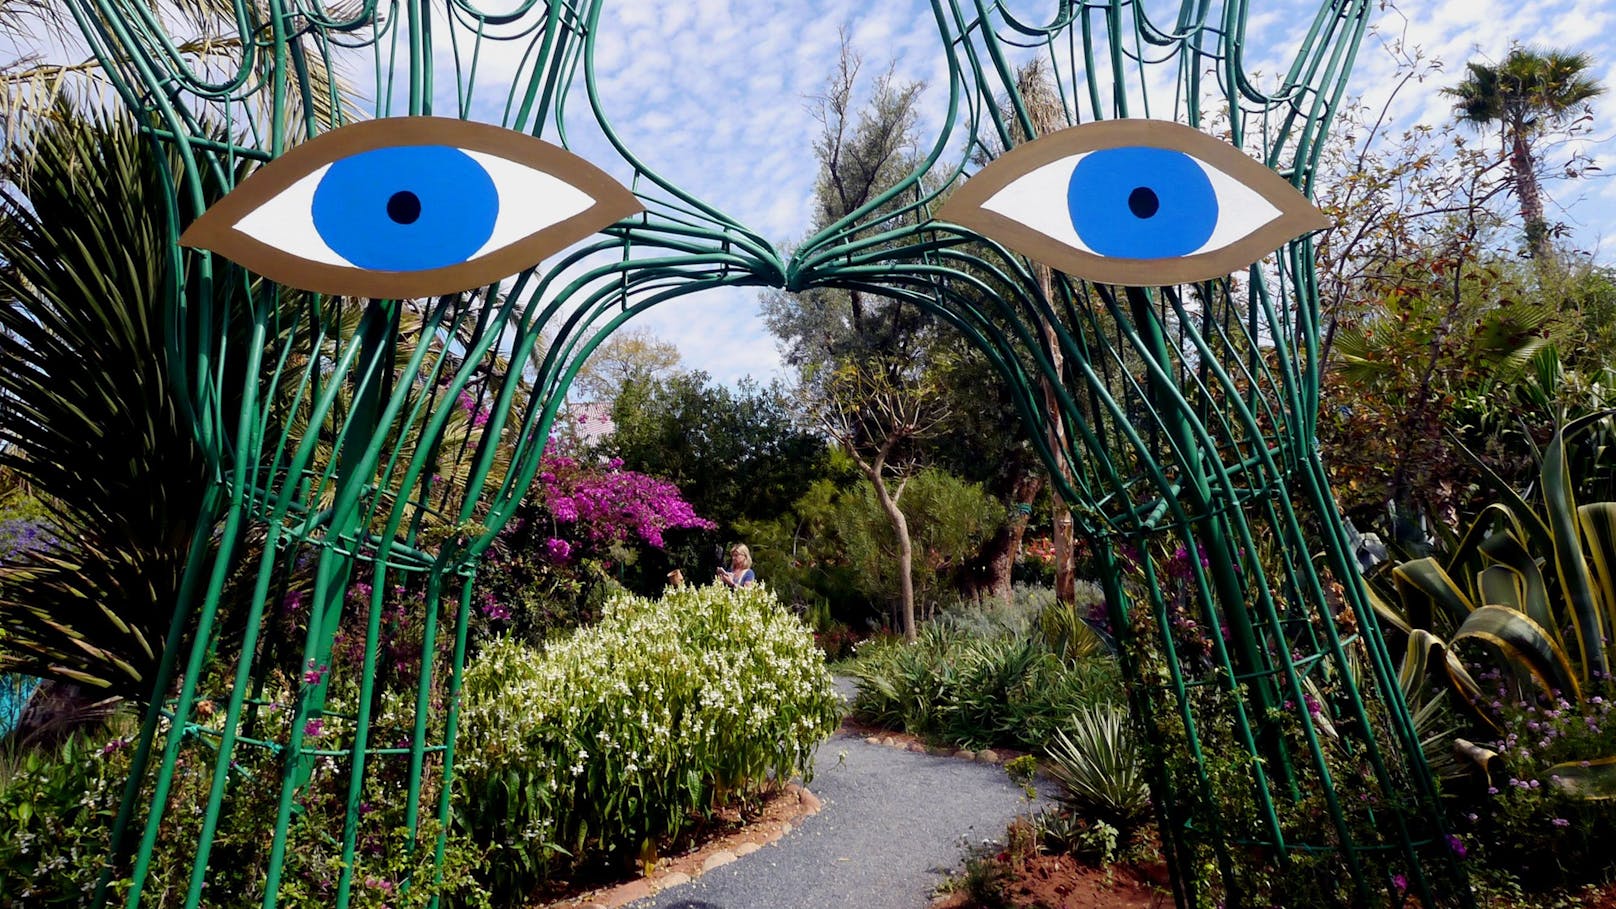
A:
x: 407, y: 207
x: 1140, y: 203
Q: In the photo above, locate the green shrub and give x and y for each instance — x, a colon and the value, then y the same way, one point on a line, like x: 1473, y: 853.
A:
x: 1096, y: 761
x: 622, y: 733
x: 58, y: 807
x: 977, y: 688
x: 949, y: 521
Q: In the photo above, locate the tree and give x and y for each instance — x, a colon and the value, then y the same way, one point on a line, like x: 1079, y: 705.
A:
x: 88, y: 416
x: 1529, y: 93
x: 877, y: 412
x: 1047, y: 112
x: 737, y: 455
x: 1432, y: 329
x: 949, y: 519
x: 865, y: 148
x: 629, y: 355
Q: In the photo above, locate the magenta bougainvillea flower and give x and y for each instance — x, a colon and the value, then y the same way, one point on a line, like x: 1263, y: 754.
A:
x: 606, y: 505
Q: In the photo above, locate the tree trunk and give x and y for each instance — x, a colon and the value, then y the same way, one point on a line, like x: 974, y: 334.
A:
x: 989, y: 573
x: 906, y: 553
x: 1530, y: 196
x: 1055, y: 431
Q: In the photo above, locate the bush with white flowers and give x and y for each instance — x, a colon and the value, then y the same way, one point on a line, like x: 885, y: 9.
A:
x: 626, y: 731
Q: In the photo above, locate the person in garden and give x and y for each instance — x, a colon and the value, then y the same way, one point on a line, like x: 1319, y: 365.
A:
x: 739, y: 573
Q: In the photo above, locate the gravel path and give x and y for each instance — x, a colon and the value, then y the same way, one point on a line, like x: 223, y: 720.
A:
x: 892, y: 825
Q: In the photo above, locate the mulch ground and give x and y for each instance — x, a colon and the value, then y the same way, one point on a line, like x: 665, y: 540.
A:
x: 1062, y: 882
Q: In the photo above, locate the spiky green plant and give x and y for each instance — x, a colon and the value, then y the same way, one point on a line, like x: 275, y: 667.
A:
x: 1097, y: 763
x: 88, y: 417
x: 1528, y: 590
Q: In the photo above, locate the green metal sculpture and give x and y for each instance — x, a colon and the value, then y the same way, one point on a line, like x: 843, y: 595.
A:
x: 384, y: 442
x: 1284, y: 759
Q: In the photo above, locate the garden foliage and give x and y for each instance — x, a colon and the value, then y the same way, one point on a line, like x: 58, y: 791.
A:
x: 635, y: 727
x: 1097, y: 763
x: 58, y: 807
x: 838, y: 545
x: 1529, y: 589
x: 1514, y: 626
x: 978, y: 681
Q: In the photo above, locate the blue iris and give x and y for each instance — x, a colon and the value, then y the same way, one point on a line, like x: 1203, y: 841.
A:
x: 406, y: 208
x: 1139, y: 202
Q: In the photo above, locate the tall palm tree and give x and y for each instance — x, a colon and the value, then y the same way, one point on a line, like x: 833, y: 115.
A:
x: 1529, y: 93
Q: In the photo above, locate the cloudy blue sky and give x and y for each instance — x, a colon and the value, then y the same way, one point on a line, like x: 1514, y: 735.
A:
x: 714, y: 93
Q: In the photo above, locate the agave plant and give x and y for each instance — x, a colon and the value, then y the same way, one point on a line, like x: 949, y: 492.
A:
x: 1529, y: 590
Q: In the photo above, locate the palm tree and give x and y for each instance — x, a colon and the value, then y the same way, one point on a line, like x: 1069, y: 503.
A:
x: 1529, y: 93
x: 87, y: 413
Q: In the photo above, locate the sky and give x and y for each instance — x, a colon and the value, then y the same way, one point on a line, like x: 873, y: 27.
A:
x: 717, y: 95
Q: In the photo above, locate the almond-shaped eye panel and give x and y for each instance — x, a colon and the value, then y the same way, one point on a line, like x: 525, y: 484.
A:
x: 406, y: 207
x: 1143, y: 203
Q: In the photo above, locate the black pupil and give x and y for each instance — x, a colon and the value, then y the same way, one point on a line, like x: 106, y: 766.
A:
x: 404, y: 207
x: 1143, y: 202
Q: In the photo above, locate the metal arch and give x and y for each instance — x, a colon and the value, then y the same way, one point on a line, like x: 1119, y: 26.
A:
x: 337, y: 425
x: 339, y: 435
x: 1196, y: 429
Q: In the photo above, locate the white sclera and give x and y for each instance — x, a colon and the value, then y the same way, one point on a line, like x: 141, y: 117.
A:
x: 1241, y: 210
x: 1038, y: 200
x: 286, y: 222
x: 529, y: 201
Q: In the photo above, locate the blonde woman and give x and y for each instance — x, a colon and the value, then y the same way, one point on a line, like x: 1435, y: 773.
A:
x: 739, y: 573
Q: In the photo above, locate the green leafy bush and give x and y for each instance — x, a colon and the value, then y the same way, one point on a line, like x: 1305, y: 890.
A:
x: 977, y: 685
x: 58, y: 807
x: 837, y: 544
x: 627, y: 730
x: 1545, y: 819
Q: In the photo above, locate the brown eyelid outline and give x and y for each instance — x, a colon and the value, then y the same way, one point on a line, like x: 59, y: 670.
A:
x: 216, y: 231
x: 1297, y: 215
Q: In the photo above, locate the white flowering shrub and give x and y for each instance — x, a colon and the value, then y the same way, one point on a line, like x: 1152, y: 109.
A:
x: 626, y: 731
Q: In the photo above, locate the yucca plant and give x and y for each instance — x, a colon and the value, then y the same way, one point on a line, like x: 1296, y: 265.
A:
x: 1527, y: 591
x: 1096, y: 762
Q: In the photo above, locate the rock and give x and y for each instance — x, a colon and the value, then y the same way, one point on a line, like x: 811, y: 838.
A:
x: 889, y: 740
x: 965, y: 755
x: 987, y: 757
x: 673, y: 880
x: 631, y: 891
x: 746, y: 849
x: 917, y: 747
x: 717, y: 860
x: 872, y: 740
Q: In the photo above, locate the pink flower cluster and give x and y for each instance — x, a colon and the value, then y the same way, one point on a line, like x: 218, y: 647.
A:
x: 610, y: 505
